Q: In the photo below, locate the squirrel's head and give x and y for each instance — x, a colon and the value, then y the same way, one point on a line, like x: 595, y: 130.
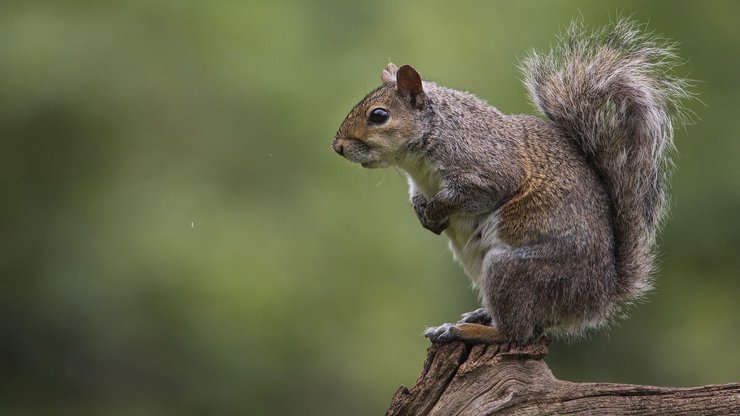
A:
x: 375, y: 132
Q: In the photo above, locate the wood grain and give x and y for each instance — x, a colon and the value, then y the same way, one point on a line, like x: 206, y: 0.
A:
x: 507, y: 379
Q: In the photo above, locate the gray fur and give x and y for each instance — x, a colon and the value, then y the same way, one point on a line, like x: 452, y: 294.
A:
x: 611, y: 91
x: 554, y: 220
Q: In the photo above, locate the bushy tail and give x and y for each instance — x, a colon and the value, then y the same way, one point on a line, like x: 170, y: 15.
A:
x: 610, y: 91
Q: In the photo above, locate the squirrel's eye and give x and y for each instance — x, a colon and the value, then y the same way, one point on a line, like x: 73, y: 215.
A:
x: 378, y: 115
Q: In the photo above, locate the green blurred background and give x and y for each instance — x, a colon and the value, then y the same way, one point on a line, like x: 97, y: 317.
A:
x: 179, y: 239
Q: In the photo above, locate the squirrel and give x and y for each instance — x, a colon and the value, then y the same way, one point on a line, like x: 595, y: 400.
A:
x: 553, y: 219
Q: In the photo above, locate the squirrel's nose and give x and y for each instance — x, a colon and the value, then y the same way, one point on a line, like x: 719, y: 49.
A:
x: 337, y: 147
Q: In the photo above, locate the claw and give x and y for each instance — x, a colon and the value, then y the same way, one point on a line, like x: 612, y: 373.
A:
x: 437, y: 228
x: 467, y: 332
x: 442, y: 334
x: 478, y: 316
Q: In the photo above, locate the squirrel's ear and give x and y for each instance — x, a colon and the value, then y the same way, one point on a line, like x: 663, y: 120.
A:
x: 389, y: 74
x: 409, y: 85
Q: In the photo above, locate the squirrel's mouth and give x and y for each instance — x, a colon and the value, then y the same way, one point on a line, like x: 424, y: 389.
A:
x: 359, y: 152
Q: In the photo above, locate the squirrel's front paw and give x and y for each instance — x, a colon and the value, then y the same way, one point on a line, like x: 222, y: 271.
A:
x: 436, y: 216
x: 420, y: 207
x: 436, y: 228
x: 419, y: 202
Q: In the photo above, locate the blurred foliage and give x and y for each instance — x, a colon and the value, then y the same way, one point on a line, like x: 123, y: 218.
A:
x: 178, y: 237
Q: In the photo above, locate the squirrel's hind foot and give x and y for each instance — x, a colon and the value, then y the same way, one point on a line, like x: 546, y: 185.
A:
x: 478, y: 316
x: 467, y: 332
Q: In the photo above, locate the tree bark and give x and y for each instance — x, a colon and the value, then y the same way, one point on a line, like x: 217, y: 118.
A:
x: 507, y: 379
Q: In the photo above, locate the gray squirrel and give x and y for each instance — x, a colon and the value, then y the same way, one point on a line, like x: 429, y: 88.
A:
x: 553, y: 219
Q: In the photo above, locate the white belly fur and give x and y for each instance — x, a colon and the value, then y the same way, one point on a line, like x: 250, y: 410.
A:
x: 471, y: 238
x: 470, y: 250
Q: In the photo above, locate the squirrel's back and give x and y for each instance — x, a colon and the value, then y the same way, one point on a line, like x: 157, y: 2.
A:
x: 610, y: 91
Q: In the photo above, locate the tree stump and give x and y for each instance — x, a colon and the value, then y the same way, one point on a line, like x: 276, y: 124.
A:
x: 507, y: 379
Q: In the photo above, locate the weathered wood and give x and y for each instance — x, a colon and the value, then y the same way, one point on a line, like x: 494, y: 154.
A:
x: 460, y: 379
